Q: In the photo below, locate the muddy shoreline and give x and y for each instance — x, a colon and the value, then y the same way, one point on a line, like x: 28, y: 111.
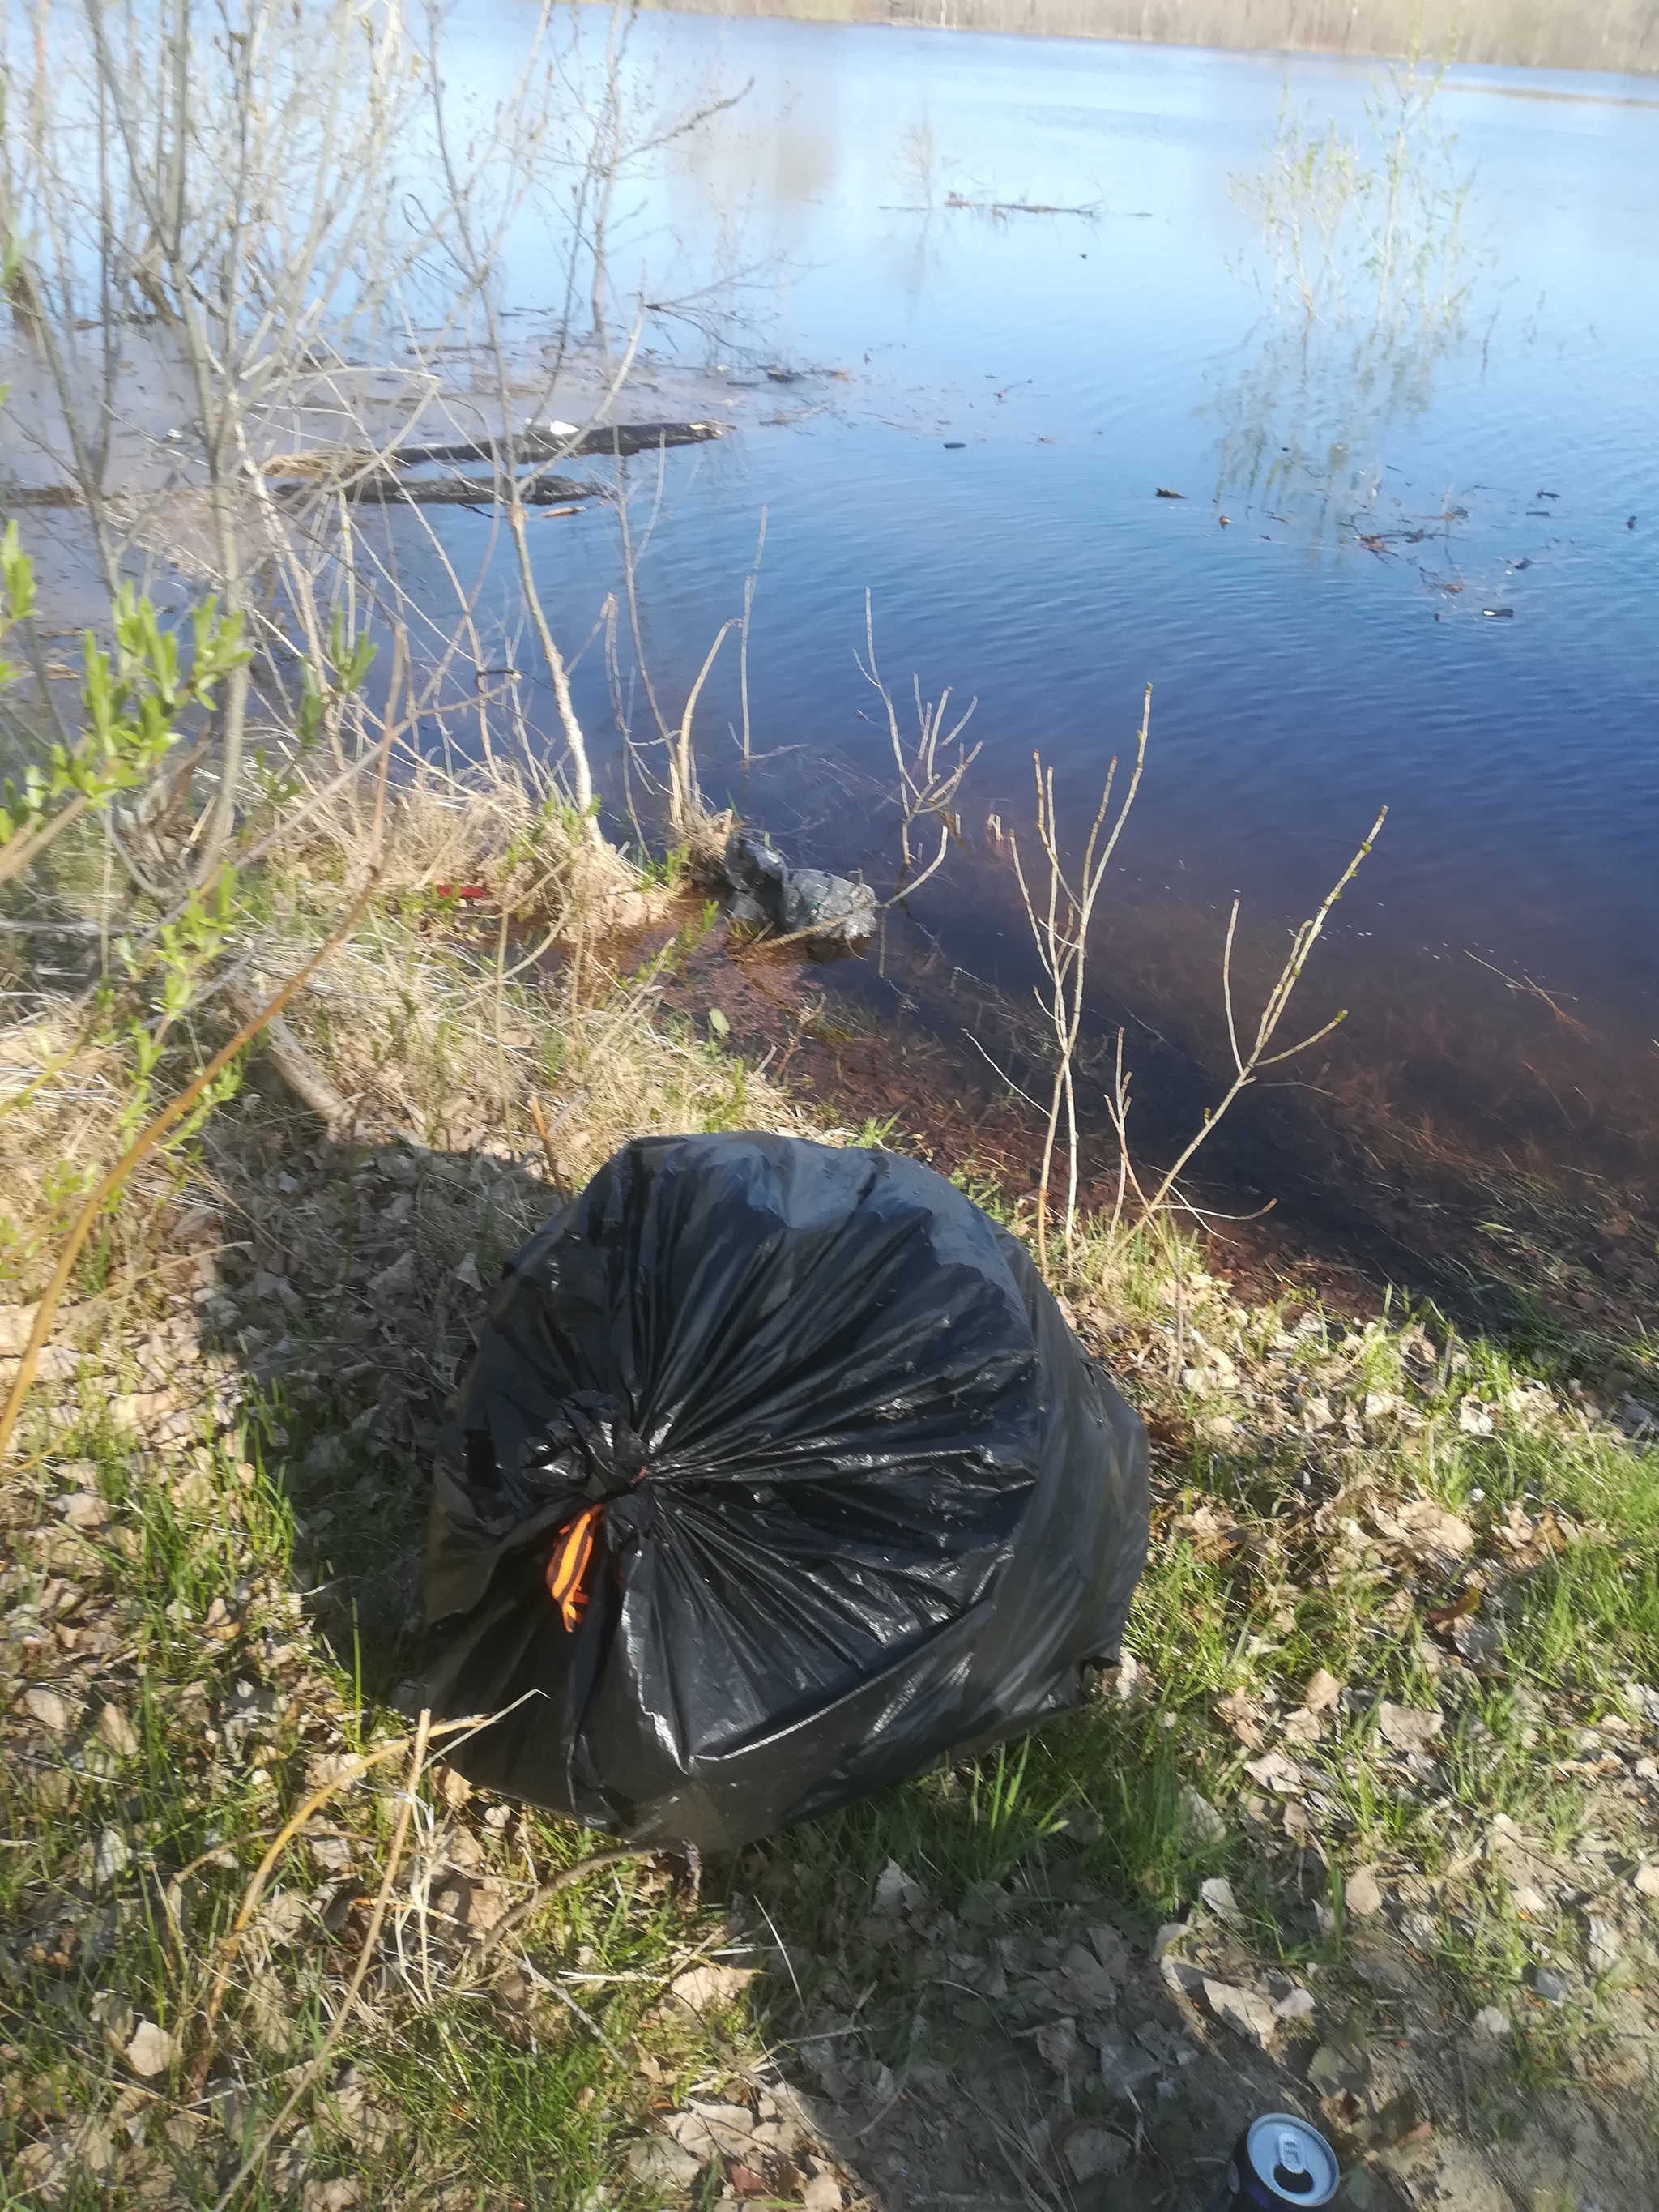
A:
x: 1286, y: 1204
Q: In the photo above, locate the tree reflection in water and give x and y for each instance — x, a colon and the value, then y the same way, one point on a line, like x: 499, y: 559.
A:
x: 1370, y: 262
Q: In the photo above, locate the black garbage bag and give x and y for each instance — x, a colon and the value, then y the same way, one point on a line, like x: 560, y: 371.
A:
x: 800, y: 901
x: 777, y: 1475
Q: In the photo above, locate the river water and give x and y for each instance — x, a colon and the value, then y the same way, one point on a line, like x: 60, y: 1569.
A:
x: 1433, y: 590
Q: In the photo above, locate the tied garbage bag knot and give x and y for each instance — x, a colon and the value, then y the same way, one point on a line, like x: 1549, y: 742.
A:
x: 777, y: 1475
x: 586, y: 1453
x: 567, y: 1571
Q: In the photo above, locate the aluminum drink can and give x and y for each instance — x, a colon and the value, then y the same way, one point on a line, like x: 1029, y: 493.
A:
x: 1277, y: 2161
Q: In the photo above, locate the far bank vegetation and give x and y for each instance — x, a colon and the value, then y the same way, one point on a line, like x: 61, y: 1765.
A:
x: 1598, y: 34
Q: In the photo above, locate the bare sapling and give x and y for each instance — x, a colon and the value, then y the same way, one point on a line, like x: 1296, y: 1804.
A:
x: 685, y: 800
x: 229, y: 203
x: 749, y: 582
x: 282, y: 212
x: 928, y: 784
x: 1249, y: 1065
x: 1059, y: 923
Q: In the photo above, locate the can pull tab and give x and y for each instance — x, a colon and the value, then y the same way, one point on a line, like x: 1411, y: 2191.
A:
x: 1291, y: 2172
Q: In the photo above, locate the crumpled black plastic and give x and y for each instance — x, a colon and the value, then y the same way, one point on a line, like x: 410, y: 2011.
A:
x: 866, y: 1498
x: 800, y: 901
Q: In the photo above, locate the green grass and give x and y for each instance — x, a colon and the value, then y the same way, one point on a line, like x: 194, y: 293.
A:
x: 301, y: 1525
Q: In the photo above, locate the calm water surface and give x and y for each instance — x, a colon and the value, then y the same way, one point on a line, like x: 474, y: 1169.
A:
x: 1499, y: 456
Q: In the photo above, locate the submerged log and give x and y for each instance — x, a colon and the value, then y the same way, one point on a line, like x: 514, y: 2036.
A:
x: 387, y: 489
x: 382, y: 476
x: 535, y: 443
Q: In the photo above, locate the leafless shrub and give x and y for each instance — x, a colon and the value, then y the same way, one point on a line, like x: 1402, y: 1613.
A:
x: 927, y: 785
x: 1059, y: 923
x: 1060, y: 917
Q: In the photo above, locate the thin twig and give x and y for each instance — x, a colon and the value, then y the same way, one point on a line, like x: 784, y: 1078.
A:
x: 504, y: 1927
x: 1247, y: 1067
x: 352, y: 1772
x: 257, y: 2156
x: 546, y: 1136
x: 683, y: 787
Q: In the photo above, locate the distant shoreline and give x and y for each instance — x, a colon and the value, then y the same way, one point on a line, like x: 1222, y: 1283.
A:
x: 1617, y: 37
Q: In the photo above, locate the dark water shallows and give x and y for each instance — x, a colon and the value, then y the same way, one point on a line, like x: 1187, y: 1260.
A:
x: 1302, y: 676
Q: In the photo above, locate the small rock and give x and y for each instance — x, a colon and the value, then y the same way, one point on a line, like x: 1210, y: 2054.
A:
x: 731, y: 2120
x: 1492, y: 2020
x: 1550, y: 1986
x: 1361, y: 1894
x: 1217, y: 1894
x: 1095, y: 2150
x: 1058, y: 2047
x: 1251, y: 2015
x: 84, y: 1510
x: 467, y: 1274
x: 822, y: 2194
x: 1296, y: 2005
x: 1646, y: 1881
x: 1111, y: 1950
x: 1092, y: 1985
x: 52, y: 1712
x: 1124, y: 2070
x: 151, y: 2051
x: 1475, y: 1640
x: 1341, y: 2066
x: 1167, y: 1937
x: 1606, y: 1946
x: 1421, y: 1930
x: 1182, y: 1977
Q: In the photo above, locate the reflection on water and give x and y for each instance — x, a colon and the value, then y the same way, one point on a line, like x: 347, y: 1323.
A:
x: 1429, y: 431
x: 1366, y: 252
x: 1407, y: 555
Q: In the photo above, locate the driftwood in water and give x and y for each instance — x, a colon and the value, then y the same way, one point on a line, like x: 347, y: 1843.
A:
x: 382, y: 487
x: 387, y: 490
x: 382, y: 479
x: 536, y: 445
